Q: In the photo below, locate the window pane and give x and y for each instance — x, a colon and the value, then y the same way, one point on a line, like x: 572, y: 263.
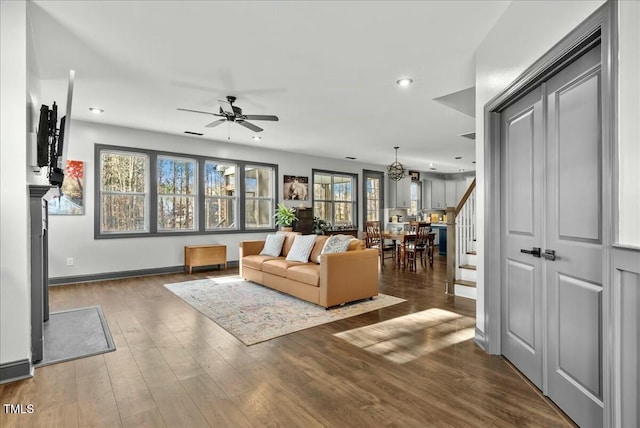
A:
x: 342, y: 188
x: 343, y: 213
x: 176, y: 176
x: 123, y: 213
x: 219, y: 180
x: 220, y: 213
x: 123, y: 172
x: 373, y: 198
x: 258, y: 182
x: 322, y: 186
x: 259, y: 213
x: 176, y: 212
x: 322, y: 210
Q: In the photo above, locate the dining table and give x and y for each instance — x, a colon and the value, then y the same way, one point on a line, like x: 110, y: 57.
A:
x: 401, y: 239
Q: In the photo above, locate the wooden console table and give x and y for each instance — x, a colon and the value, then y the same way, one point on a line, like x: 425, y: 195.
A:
x: 204, y: 255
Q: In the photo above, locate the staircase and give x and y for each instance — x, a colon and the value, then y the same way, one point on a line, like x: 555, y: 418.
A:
x: 462, y: 272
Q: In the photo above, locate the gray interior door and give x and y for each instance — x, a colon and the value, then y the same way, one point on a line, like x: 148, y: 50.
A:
x: 522, y: 145
x: 574, y: 232
x: 551, y: 200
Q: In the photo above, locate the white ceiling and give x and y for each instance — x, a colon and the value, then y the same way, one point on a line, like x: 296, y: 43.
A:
x: 326, y: 68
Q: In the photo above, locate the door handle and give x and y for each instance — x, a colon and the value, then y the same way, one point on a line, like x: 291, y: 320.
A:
x: 535, y: 251
x: 549, y: 255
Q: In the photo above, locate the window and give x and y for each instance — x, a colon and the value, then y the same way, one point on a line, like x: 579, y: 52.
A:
x: 334, y: 200
x: 374, y: 194
x: 149, y: 193
x: 124, y: 196
x: 177, y: 189
x: 416, y: 200
x: 259, y: 197
x: 220, y: 196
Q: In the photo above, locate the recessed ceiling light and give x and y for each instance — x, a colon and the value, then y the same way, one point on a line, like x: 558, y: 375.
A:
x: 432, y: 164
x: 96, y: 110
x: 404, y: 82
x: 257, y: 137
x: 350, y: 157
x: 458, y: 157
x: 461, y: 170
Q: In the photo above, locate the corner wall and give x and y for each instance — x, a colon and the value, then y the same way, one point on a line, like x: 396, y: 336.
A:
x: 15, y: 298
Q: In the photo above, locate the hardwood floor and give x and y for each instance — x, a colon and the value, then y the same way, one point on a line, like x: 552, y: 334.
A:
x: 410, y: 365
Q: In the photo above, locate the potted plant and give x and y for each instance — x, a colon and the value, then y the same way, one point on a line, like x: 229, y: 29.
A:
x: 285, y: 216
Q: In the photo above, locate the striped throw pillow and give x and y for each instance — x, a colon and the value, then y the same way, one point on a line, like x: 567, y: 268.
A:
x: 301, y: 248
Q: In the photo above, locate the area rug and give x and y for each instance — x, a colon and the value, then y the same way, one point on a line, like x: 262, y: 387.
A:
x: 253, y: 313
x: 76, y: 333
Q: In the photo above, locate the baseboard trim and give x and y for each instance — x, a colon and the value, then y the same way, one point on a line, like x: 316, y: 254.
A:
x: 60, y: 280
x: 15, y: 370
x: 480, y: 339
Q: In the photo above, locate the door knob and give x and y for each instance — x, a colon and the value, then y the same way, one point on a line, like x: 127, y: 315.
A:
x: 535, y: 251
x: 549, y: 255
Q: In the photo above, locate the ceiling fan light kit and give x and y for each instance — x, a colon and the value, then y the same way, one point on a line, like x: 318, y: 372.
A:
x: 230, y: 113
x: 396, y: 171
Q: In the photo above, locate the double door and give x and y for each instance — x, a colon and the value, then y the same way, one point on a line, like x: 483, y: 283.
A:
x: 551, y: 237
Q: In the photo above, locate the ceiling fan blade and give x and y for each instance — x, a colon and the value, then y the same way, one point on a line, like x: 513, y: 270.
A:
x: 197, y: 111
x: 226, y: 107
x: 261, y: 117
x: 215, y: 123
x: 249, y: 125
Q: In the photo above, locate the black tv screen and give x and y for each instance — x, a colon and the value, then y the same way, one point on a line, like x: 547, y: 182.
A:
x: 43, y: 137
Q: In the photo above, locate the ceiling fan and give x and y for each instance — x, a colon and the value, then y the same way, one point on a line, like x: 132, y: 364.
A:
x: 231, y: 113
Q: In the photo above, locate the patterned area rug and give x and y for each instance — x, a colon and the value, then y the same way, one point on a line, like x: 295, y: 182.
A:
x: 254, y: 314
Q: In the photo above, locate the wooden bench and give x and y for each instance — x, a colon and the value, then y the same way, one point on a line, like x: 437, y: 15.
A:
x: 204, y: 255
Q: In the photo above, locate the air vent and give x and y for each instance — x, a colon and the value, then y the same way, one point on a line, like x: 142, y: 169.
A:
x: 470, y: 135
x: 433, y: 169
x: 193, y: 133
x: 350, y: 157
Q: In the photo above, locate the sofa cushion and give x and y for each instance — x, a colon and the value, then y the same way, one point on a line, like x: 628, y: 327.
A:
x: 317, y: 248
x: 308, y: 273
x: 256, y: 261
x: 273, y: 245
x: 301, y: 248
x: 278, y: 266
x: 356, y: 244
x: 288, y: 241
x: 337, y: 244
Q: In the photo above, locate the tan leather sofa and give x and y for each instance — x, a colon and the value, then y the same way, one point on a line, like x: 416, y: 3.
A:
x: 338, y: 278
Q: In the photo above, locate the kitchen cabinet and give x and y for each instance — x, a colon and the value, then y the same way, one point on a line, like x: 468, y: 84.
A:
x: 400, y: 193
x: 450, y: 193
x: 438, y: 195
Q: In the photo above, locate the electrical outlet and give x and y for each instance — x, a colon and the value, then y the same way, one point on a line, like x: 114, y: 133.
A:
x: 69, y: 261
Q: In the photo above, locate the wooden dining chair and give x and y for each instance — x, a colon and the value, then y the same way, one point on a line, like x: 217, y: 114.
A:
x: 374, y: 239
x: 419, y: 247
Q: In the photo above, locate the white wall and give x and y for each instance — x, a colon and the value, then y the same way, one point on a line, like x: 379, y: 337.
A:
x: 629, y: 123
x: 524, y: 33
x: 72, y: 236
x: 15, y: 311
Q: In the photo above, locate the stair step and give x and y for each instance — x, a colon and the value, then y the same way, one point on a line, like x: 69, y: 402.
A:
x: 470, y: 267
x: 472, y: 253
x: 465, y: 282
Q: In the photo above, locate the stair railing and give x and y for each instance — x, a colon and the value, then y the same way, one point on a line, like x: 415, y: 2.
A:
x: 461, y: 233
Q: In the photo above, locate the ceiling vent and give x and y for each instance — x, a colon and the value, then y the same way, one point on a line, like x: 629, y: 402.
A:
x: 470, y: 135
x: 193, y: 133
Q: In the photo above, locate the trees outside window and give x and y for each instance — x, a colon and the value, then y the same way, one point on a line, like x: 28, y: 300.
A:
x: 177, y: 190
x: 220, y: 196
x: 124, y: 195
x: 259, y: 197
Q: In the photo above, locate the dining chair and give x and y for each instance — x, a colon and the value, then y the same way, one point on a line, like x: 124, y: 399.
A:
x: 419, y: 247
x: 374, y: 239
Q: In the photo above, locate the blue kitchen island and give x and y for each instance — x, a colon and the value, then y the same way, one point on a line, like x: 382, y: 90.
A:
x: 442, y: 237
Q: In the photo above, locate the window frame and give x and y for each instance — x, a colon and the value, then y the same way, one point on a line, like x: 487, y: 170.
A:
x: 332, y: 202
x: 194, y: 195
x: 272, y: 197
x: 366, y: 174
x: 152, y: 195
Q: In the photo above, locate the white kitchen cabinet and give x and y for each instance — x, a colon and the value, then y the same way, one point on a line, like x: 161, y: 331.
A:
x: 450, y: 193
x: 438, y: 195
x: 400, y: 193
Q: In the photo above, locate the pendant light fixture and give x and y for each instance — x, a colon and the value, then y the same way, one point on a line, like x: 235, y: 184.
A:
x: 396, y: 171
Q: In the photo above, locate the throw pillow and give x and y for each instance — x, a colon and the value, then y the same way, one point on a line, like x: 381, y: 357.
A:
x: 273, y: 245
x: 301, y: 248
x: 336, y: 244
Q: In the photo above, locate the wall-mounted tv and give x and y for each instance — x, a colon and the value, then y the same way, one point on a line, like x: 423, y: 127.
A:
x: 52, y: 141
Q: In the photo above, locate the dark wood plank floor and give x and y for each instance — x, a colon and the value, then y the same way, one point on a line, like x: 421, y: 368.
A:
x: 410, y: 365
